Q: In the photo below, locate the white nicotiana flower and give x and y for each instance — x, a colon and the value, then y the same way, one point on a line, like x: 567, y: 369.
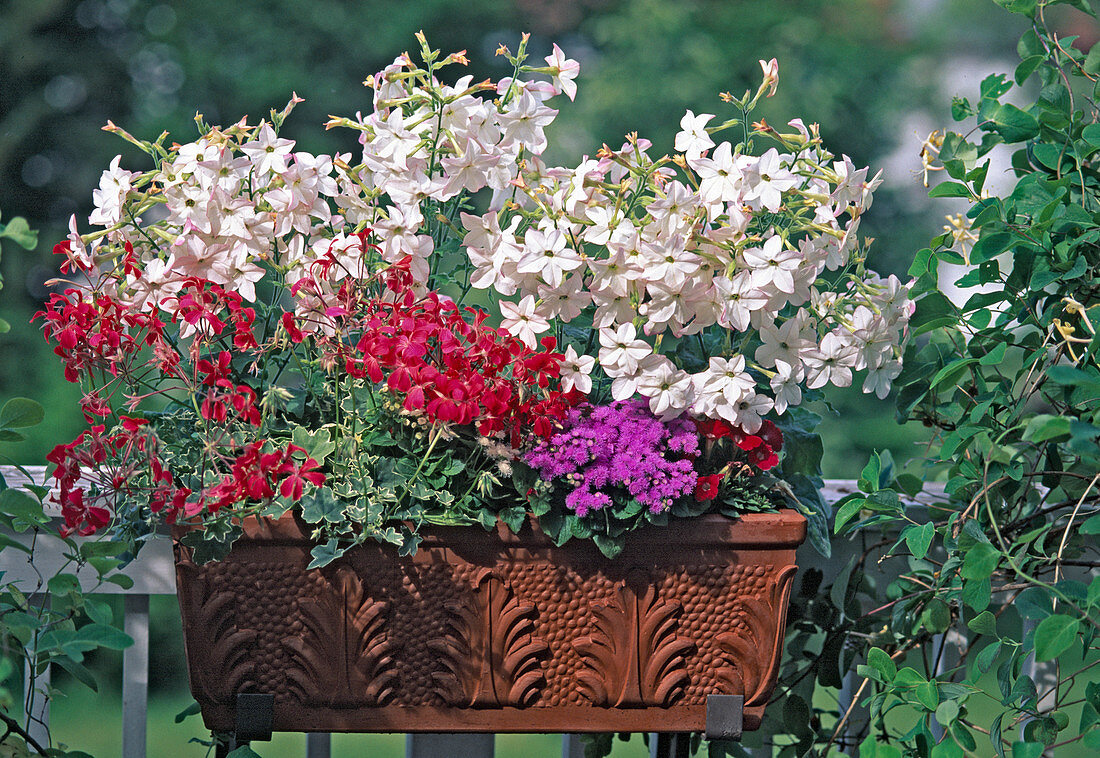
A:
x: 772, y: 265
x: 728, y: 378
x: 668, y: 388
x: 765, y: 180
x: 114, y: 185
x: 693, y: 139
x: 522, y: 321
x: 567, y: 301
x: 749, y: 411
x: 267, y: 152
x: 576, y: 371
x: 785, y: 385
x: 880, y: 378
x: 721, y: 175
x: 567, y: 71
x: 738, y: 298
x: 620, y: 349
x: 787, y: 342
x: 547, y: 256
x: 832, y: 361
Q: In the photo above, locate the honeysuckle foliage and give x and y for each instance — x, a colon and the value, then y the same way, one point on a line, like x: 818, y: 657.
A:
x: 987, y: 638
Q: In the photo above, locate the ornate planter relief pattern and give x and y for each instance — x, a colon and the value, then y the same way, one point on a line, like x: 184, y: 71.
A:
x: 479, y: 632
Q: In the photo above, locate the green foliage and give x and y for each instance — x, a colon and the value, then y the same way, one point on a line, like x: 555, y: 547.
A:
x: 47, y: 616
x: 1008, y: 381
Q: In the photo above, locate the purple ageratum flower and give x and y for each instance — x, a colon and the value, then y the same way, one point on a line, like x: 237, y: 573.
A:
x: 612, y: 452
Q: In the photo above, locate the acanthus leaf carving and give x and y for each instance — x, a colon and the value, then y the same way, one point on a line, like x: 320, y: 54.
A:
x: 490, y: 652
x: 228, y: 659
x: 345, y: 647
x: 750, y: 658
x: 635, y: 658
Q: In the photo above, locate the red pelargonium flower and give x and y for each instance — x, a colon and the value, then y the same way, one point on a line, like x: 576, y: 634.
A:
x: 713, y: 428
x: 298, y: 475
x: 706, y: 488
x: 445, y: 362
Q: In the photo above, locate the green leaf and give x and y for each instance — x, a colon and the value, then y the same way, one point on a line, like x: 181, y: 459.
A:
x: 609, y: 546
x: 949, y: 189
x: 980, y: 561
x: 79, y: 672
x: 62, y: 584
x: 847, y: 509
x: 988, y: 656
x: 192, y: 710
x: 121, y: 580
x: 1069, y: 375
x: 919, y: 538
x: 946, y: 713
x: 933, y: 311
x: 879, y: 660
x: 995, y: 356
x: 103, y: 635
x: 20, y: 412
x: 20, y: 232
x: 1013, y: 124
x: 937, y: 616
x: 322, y: 505
x: 1034, y: 603
x: 1046, y: 427
x: 948, y: 748
x: 1054, y: 636
x: 977, y: 593
x: 952, y: 372
x: 1027, y: 749
x: 325, y: 554
x: 984, y: 623
x: 1091, y: 525
x: 928, y: 695
x: 1023, y: 7
x: 1027, y: 67
x: 18, y: 504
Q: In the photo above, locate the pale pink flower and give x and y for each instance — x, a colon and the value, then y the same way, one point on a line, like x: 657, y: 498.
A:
x: 692, y: 140
x: 566, y: 72
x: 621, y: 350
x: 832, y: 361
x: 523, y: 321
x: 267, y: 151
x: 576, y: 371
x: 114, y: 185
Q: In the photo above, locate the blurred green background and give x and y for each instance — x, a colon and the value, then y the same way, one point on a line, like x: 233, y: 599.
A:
x: 877, y: 74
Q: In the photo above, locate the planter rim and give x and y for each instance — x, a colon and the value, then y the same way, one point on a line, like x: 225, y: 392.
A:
x: 784, y: 528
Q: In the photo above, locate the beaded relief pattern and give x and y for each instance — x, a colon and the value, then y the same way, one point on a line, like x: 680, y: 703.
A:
x: 524, y: 628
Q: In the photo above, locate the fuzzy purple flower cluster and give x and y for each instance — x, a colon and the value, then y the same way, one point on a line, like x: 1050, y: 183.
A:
x: 608, y: 452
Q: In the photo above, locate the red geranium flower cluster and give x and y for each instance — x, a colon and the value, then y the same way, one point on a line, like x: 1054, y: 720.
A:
x: 108, y: 461
x: 445, y: 362
x: 95, y: 334
x: 761, y: 450
x: 256, y: 475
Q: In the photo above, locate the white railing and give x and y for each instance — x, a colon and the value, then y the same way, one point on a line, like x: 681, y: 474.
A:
x: 153, y: 573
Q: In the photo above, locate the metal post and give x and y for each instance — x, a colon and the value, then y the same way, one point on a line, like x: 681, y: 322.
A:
x: 449, y: 745
x: 572, y: 746
x: 318, y: 745
x: 670, y: 745
x: 135, y: 675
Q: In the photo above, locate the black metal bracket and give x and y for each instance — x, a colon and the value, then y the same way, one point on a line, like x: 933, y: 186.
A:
x: 725, y: 717
x: 253, y: 717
